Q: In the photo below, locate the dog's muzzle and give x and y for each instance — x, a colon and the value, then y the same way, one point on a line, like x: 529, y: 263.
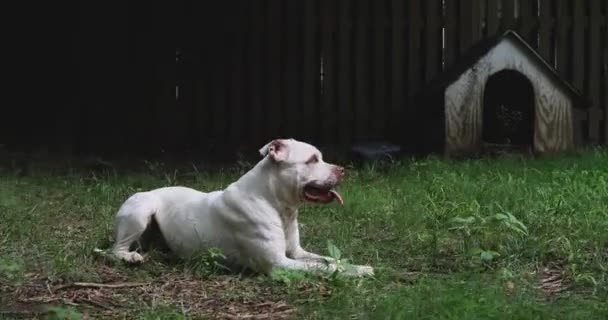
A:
x: 325, y: 193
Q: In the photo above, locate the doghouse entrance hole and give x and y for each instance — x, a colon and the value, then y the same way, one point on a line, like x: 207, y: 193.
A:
x: 508, y: 112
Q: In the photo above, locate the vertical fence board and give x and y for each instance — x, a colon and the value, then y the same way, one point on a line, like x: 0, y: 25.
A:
x: 451, y: 33
x: 562, y: 41
x: 255, y: 63
x: 310, y: 83
x: 470, y: 24
x: 593, y: 72
x: 379, y: 80
x: 508, y: 15
x: 577, y: 55
x: 362, y: 80
x: 273, y: 122
x: 399, y: 87
x: 578, y: 43
x: 196, y: 61
x: 414, y: 69
x: 604, y: 86
x: 528, y: 23
x: 546, y: 27
x: 219, y: 81
x: 345, y: 80
x: 432, y: 39
x: 492, y: 20
x: 238, y: 111
x: 291, y: 72
x: 328, y: 117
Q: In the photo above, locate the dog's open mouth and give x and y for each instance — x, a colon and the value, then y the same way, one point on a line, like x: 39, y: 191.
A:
x: 319, y: 194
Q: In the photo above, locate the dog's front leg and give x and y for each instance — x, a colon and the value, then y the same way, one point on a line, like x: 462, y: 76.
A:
x: 320, y: 267
x: 294, y: 249
x: 281, y: 250
x: 304, y: 265
x: 301, y: 254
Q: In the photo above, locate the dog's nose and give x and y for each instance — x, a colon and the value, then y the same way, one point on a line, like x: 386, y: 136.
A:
x: 340, y: 171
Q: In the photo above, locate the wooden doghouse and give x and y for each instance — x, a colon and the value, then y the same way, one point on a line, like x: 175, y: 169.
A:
x: 502, y: 93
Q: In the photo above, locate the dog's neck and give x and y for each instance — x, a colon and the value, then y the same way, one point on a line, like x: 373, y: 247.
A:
x: 283, y: 200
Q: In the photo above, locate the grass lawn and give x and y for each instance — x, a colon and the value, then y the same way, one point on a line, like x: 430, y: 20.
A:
x: 504, y: 238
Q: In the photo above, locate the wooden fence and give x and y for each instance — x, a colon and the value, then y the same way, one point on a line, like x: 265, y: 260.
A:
x: 332, y: 72
x: 340, y: 71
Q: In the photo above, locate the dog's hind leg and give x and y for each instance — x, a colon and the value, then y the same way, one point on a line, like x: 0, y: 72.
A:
x: 131, y: 221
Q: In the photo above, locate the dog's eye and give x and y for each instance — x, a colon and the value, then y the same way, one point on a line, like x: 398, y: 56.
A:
x: 313, y: 159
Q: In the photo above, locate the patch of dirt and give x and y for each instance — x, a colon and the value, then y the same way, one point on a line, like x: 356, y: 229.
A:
x: 552, y: 281
x: 221, y: 297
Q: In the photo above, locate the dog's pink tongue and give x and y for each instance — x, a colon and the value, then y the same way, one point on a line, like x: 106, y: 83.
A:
x: 337, y: 196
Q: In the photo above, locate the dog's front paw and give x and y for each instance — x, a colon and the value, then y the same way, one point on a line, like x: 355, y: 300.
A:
x: 365, y: 271
x: 359, y: 271
x: 130, y: 257
x: 136, y: 258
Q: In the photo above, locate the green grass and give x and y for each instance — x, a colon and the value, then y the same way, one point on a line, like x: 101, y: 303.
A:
x: 472, y: 239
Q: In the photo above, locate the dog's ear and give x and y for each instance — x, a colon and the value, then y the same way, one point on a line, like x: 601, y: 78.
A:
x: 276, y: 149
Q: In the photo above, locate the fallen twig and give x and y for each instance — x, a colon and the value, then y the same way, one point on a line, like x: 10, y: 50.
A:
x: 95, y: 304
x: 19, y: 312
x: 272, y: 315
x: 100, y: 285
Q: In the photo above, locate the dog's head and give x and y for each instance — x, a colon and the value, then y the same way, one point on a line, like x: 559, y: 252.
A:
x: 300, y: 169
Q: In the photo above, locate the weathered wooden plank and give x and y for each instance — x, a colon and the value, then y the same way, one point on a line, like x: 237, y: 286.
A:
x: 328, y: 116
x: 578, y: 44
x: 362, y: 80
x: 605, y: 74
x: 470, y: 24
x: 546, y: 27
x: 451, y: 33
x: 477, y: 21
x: 528, y: 23
x: 274, y: 28
x: 555, y: 122
x: 563, y: 39
x: 414, y: 69
x: 345, y: 80
x: 399, y: 88
x: 310, y: 79
x: 492, y: 20
x: 432, y: 39
x: 219, y: 83
x: 577, y: 64
x: 605, y: 91
x: 379, y: 80
x: 508, y: 15
x: 292, y: 70
x: 238, y: 112
x: 256, y: 62
x: 594, y: 70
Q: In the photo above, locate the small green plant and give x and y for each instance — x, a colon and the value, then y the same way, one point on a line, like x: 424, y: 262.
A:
x: 10, y: 270
x: 342, y: 264
x: 162, y: 313
x: 209, y: 263
x: 336, y: 254
x: 288, y: 278
x: 482, y: 236
x: 63, y: 313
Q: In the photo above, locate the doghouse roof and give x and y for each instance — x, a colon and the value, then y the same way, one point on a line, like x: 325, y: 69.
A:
x: 471, y: 57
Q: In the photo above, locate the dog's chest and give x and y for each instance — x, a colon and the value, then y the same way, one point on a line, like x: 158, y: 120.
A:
x: 288, y: 215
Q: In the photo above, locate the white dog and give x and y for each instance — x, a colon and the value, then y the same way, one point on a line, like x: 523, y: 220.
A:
x: 254, y: 221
